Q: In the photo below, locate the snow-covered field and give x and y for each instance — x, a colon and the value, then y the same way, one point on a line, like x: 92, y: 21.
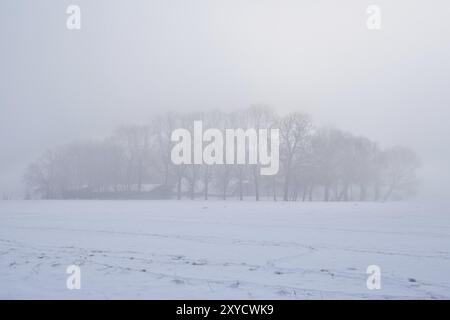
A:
x: 229, y: 250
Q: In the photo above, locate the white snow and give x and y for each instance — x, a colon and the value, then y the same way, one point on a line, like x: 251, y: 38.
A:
x: 223, y: 250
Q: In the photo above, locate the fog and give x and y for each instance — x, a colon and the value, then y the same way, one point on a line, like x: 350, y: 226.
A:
x: 133, y: 59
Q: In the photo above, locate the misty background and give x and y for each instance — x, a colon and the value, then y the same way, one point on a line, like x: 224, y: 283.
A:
x: 133, y: 59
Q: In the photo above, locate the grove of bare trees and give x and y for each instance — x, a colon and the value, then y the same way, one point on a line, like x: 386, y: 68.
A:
x: 316, y: 164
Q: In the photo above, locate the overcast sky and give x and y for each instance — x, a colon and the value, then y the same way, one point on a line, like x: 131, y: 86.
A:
x: 134, y: 58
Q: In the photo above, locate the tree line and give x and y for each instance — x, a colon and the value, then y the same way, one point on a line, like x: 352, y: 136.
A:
x: 316, y: 164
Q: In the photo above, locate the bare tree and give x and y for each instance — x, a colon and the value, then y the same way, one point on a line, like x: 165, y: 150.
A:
x: 326, y: 164
x: 295, y: 131
x: 400, y: 165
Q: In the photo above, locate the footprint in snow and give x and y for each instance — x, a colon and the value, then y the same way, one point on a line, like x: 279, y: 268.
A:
x: 284, y: 293
x: 178, y: 281
x: 278, y: 272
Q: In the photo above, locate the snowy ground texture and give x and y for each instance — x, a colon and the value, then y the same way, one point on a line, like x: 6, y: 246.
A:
x: 223, y: 250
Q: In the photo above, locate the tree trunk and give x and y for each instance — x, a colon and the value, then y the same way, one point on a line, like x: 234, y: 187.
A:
x: 205, y: 182
x: 326, y: 193
x: 305, y: 189
x: 140, y: 169
x: 179, y: 188
x: 362, y: 193
x: 192, y: 187
x: 225, y: 185
x: 344, y: 194
x: 310, y: 196
x: 241, y: 195
x: 274, y: 186
x: 286, y: 188
x: 389, y: 192
x: 166, y: 174
x: 256, y: 179
x: 287, y: 181
x: 377, y: 191
x: 241, y: 189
